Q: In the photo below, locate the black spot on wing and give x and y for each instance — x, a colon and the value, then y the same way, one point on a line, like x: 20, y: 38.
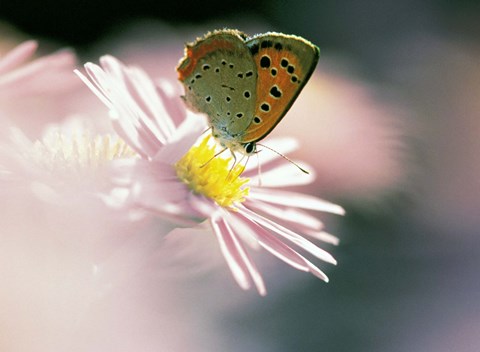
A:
x: 254, y: 49
x: 266, y: 44
x: 275, y: 92
x: 265, y: 61
x: 265, y: 107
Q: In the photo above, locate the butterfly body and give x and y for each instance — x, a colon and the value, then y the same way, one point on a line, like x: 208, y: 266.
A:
x: 245, y: 85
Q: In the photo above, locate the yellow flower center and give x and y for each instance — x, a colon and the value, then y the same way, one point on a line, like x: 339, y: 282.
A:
x: 211, y: 176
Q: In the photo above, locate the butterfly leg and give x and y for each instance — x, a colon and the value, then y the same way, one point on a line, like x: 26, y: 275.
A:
x: 208, y: 129
x: 213, y: 157
x: 235, y: 163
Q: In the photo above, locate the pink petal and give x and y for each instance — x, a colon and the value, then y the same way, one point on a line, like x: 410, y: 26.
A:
x: 236, y: 265
x: 281, y: 174
x: 174, y: 106
x: 265, y: 156
x: 289, y: 235
x: 294, y: 199
x: 291, y: 215
x: 250, y: 265
x: 94, y: 88
x: 129, y: 134
x: 155, y: 187
x: 56, y: 68
x: 140, y: 113
x: 317, y: 272
x: 323, y: 236
x: 242, y: 230
x: 148, y: 107
x: 18, y: 56
x: 129, y: 118
x: 275, y: 246
x: 175, y: 217
x: 154, y: 103
x: 150, y: 141
x: 252, y: 168
x: 143, y: 94
x: 183, y: 139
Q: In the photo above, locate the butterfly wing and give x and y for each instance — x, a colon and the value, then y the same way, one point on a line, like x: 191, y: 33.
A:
x: 284, y: 65
x: 219, y: 76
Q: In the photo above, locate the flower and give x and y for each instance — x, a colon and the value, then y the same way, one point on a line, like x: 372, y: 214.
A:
x: 45, y: 86
x: 66, y: 258
x: 183, y: 181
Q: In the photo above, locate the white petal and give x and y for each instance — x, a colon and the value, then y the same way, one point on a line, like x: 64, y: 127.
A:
x: 317, y: 272
x: 277, y: 247
x: 292, y: 215
x: 237, y: 258
x: 144, y: 99
x: 252, y: 269
x: 182, y: 140
x: 289, y: 235
x: 237, y: 267
x: 17, y: 56
x: 294, y: 199
x: 94, y: 89
x: 282, y: 175
x: 242, y: 229
x: 150, y: 103
x: 172, y: 102
x: 323, y: 236
x: 279, y: 145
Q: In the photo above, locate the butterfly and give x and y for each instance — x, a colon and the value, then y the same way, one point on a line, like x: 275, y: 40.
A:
x: 245, y: 85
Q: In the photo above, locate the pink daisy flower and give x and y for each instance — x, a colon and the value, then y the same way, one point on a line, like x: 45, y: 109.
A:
x: 178, y: 179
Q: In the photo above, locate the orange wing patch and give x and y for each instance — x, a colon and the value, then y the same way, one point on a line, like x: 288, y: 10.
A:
x: 280, y: 80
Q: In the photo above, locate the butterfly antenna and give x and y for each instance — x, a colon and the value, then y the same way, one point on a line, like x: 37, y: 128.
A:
x: 287, y: 159
x: 259, y: 170
x: 213, y: 157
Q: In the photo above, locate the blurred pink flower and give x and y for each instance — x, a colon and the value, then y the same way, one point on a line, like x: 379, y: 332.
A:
x: 174, y: 180
x: 68, y: 261
x: 354, y: 137
x: 57, y: 238
x: 36, y: 91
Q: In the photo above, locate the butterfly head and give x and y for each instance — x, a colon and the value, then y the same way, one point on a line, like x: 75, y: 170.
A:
x: 231, y: 141
x: 249, y: 148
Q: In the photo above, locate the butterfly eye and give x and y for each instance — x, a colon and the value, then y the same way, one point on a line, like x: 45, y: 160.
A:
x: 250, y: 147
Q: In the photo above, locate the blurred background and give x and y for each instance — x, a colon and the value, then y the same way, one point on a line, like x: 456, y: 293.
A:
x: 391, y: 124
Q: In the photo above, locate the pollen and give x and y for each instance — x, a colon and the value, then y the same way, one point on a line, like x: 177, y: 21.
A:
x: 211, y: 176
